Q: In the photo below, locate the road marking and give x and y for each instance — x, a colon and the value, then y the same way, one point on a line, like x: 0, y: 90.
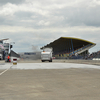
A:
x: 4, y: 71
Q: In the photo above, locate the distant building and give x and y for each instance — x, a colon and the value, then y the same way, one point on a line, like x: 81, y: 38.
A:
x: 30, y: 55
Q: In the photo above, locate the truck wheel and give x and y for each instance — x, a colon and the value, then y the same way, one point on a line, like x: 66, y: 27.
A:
x: 42, y: 60
x: 50, y: 60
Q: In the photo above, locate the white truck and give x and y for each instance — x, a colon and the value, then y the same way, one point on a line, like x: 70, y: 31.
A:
x: 46, y: 55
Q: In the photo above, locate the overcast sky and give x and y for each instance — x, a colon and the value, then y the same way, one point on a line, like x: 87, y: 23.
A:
x: 38, y: 22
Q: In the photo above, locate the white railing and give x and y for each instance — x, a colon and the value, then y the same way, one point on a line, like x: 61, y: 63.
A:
x: 80, y: 49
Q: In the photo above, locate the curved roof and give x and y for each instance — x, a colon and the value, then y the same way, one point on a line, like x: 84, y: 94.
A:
x: 78, y: 39
x: 64, y: 43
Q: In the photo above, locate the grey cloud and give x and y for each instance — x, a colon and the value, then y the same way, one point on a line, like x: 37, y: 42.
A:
x: 23, y: 14
x: 2, y: 20
x: 73, y: 16
x: 11, y: 1
x: 81, y: 16
x: 17, y: 19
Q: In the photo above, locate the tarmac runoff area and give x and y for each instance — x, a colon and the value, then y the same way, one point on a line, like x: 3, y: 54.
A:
x: 49, y: 81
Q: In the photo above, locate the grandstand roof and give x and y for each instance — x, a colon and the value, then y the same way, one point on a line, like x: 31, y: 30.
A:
x: 66, y: 42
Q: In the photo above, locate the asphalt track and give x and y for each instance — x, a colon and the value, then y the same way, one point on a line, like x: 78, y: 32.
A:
x: 49, y: 81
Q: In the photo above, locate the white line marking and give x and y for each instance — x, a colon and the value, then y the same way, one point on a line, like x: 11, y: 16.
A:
x: 4, y: 71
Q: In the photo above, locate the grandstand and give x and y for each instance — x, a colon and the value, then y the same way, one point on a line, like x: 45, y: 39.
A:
x: 66, y: 47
